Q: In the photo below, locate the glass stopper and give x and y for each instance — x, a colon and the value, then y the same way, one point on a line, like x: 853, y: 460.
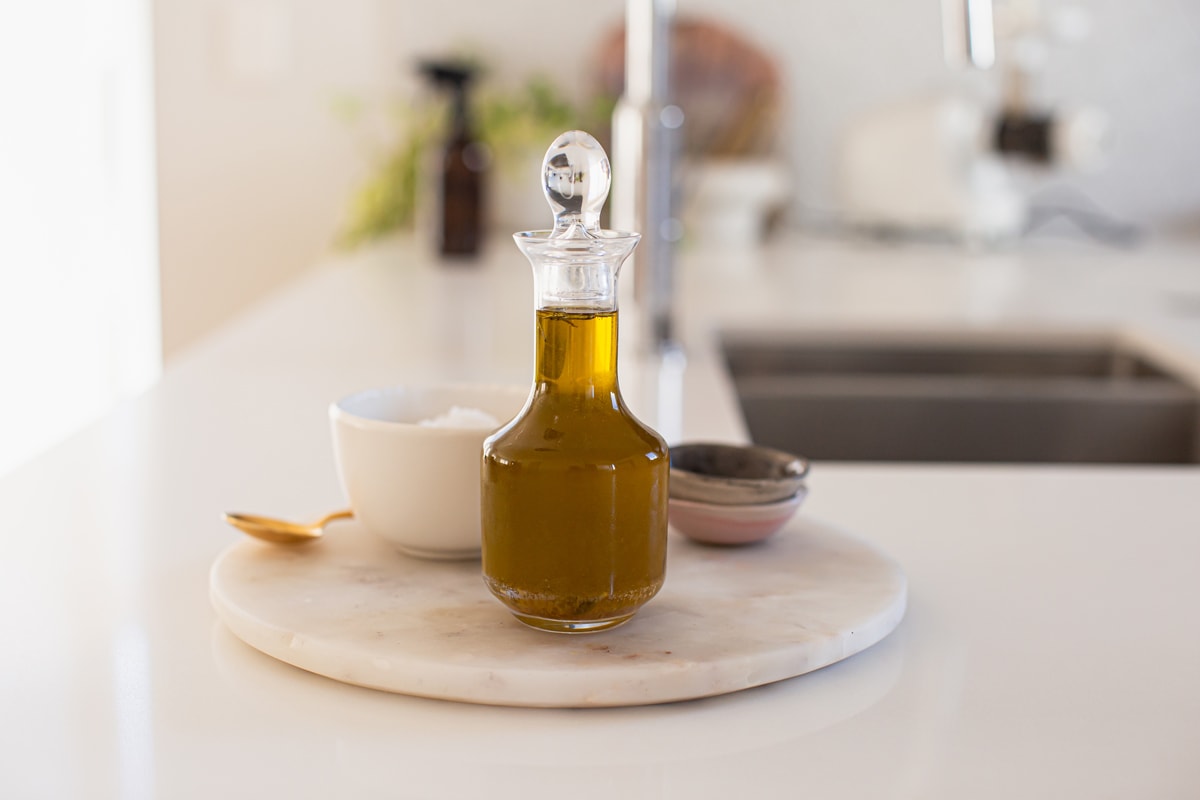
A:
x: 576, y: 177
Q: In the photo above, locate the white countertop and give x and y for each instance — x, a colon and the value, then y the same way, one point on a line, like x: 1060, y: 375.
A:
x: 1050, y: 647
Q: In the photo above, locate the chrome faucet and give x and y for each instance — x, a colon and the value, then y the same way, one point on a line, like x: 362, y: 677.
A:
x: 645, y: 146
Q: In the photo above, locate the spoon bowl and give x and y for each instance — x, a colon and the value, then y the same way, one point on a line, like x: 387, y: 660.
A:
x: 278, y: 531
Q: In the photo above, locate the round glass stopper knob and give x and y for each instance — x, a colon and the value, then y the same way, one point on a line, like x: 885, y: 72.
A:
x: 576, y: 177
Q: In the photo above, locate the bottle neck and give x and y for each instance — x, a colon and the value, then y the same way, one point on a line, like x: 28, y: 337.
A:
x: 577, y: 352
x: 575, y: 294
x: 460, y: 119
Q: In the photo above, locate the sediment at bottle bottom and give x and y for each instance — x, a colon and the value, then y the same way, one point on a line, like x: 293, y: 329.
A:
x: 572, y: 613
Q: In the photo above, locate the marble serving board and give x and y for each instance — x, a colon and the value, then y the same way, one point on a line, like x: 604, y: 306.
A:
x: 350, y: 608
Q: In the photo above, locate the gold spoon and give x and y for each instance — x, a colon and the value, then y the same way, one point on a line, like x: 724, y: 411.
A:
x: 281, y: 531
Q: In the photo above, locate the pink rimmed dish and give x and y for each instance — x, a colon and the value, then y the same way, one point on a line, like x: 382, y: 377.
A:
x: 711, y: 523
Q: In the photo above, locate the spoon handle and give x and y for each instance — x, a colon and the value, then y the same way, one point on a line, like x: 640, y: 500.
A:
x: 328, y: 518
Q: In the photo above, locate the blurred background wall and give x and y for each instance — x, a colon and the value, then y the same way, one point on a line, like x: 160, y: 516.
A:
x: 255, y: 166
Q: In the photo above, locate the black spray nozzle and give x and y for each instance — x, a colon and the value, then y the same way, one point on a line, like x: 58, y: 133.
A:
x: 455, y: 76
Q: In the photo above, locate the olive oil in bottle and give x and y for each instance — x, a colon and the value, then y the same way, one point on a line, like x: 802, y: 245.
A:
x: 574, y: 492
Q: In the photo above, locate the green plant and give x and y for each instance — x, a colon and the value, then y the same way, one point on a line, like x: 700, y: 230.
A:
x: 509, y: 123
x: 387, y: 199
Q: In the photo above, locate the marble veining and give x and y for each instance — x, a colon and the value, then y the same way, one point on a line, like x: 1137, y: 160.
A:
x: 351, y: 608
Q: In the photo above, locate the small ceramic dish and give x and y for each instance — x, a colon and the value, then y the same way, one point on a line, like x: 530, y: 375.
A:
x: 730, y: 474
x: 712, y: 523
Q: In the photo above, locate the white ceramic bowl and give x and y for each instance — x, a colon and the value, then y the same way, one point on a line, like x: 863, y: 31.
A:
x: 711, y: 523
x: 417, y: 486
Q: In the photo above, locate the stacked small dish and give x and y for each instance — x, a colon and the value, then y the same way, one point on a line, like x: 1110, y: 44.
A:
x: 726, y: 494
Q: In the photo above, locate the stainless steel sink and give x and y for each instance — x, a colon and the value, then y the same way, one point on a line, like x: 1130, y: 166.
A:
x: 1058, y: 400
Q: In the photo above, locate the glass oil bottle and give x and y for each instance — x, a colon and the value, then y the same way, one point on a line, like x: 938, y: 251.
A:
x: 574, y: 494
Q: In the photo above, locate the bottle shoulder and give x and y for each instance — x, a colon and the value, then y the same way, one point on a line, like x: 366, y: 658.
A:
x: 565, y: 430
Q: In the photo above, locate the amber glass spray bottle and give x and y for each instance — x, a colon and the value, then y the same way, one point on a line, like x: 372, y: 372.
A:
x: 462, y: 170
x: 574, y: 495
